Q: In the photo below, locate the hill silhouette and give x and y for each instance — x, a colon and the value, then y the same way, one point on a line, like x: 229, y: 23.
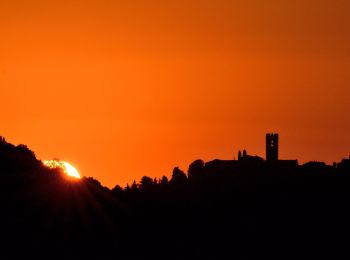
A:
x: 47, y: 215
x: 244, y: 209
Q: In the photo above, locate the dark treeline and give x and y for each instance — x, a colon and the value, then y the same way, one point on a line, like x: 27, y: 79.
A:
x: 248, y: 209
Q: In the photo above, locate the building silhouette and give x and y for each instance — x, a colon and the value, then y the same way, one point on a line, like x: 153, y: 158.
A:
x: 272, y: 147
x: 246, y: 161
x: 344, y: 164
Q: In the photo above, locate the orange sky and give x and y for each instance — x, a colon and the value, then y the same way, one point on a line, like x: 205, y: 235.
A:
x: 123, y: 89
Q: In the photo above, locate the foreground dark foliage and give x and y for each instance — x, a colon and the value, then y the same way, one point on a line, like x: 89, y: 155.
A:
x: 250, y: 211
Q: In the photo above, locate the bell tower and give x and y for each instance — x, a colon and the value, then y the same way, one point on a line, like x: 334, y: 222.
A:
x: 272, y: 147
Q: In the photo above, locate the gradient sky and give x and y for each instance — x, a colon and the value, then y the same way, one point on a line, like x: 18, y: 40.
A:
x: 122, y: 89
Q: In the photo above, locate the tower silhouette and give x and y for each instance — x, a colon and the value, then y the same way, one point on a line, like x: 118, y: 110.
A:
x: 272, y: 147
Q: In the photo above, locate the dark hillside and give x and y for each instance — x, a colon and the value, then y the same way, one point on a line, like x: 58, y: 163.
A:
x: 46, y: 214
x: 218, y: 210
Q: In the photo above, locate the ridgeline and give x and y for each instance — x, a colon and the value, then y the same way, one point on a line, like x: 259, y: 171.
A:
x: 248, y: 208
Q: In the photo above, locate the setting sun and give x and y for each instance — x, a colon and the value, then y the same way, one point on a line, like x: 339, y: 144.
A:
x: 69, y: 169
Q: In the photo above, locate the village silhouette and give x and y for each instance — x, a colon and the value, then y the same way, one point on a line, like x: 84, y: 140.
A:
x: 249, y: 208
x: 208, y: 173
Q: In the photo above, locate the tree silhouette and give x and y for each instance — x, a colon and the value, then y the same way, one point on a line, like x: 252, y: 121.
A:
x: 164, y: 181
x: 134, y: 186
x: 196, y: 170
x: 246, y: 209
x: 146, y: 183
x: 178, y: 178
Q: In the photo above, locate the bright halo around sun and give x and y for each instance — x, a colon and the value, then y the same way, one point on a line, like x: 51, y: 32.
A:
x: 67, y: 168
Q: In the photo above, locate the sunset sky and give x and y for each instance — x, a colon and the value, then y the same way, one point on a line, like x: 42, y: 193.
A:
x: 122, y: 89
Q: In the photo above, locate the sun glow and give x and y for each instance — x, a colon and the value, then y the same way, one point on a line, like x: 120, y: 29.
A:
x: 67, y: 168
